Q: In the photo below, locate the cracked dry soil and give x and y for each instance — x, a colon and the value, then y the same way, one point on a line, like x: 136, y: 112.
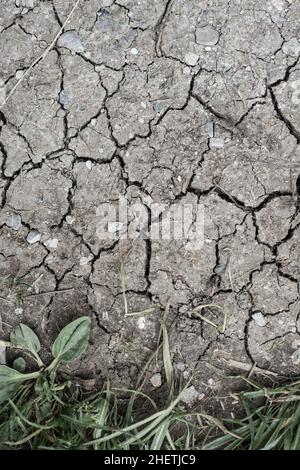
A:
x: 163, y: 100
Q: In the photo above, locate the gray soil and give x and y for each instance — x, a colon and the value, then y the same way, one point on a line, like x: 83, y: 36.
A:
x: 163, y: 100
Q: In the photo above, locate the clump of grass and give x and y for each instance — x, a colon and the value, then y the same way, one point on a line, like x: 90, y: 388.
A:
x: 272, y: 421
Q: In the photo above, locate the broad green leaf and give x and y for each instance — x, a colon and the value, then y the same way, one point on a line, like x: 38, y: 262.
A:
x: 23, y: 337
x: 8, y: 375
x: 10, y: 380
x: 8, y: 391
x: 19, y: 364
x: 72, y: 340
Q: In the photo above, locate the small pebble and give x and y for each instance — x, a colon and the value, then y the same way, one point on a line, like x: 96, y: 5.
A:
x: 88, y: 164
x: 259, y: 319
x: 216, y: 142
x: 134, y: 51
x: 84, y: 260
x: 190, y: 395
x: 207, y: 36
x: 14, y: 221
x: 156, y: 380
x: 296, y: 357
x: 33, y: 237
x: 63, y: 98
x: 51, y: 243
x: 19, y: 74
x: 157, y: 105
x: 61, y: 113
x: 141, y: 323
x: 220, y: 268
x: 191, y: 58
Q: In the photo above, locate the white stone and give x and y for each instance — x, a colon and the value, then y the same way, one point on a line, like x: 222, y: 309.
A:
x: 259, y: 319
x: 134, y: 51
x: 207, y: 36
x: 84, y: 260
x: 156, y: 380
x: 14, y: 221
x: 33, y: 237
x: 191, y: 58
x: 88, y: 164
x: 141, y: 323
x: 19, y: 74
x: 190, y: 395
x: 51, y: 243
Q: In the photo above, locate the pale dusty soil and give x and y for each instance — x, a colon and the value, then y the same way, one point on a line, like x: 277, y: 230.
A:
x: 117, y: 109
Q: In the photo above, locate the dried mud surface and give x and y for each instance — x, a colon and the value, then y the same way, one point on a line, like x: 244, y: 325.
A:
x: 157, y: 101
